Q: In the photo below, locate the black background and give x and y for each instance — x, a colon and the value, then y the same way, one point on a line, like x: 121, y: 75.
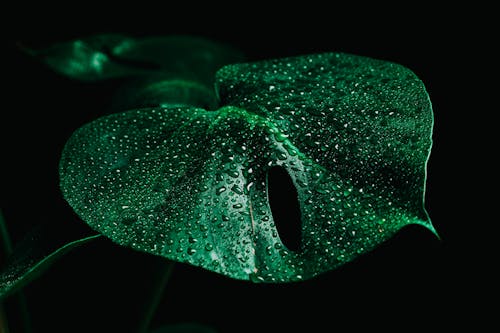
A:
x: 412, y: 281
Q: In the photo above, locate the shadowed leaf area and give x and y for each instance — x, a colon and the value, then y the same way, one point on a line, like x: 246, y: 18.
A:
x: 40, y: 249
x: 177, y: 69
x: 184, y: 328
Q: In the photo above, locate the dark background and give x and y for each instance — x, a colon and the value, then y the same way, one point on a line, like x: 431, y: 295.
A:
x: 413, y: 280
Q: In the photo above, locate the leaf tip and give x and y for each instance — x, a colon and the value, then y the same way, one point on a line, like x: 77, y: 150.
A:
x: 429, y: 226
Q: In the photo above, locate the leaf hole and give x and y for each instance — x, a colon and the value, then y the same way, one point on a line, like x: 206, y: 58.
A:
x: 284, y: 203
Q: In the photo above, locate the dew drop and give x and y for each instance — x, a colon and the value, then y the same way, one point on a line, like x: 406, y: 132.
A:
x: 233, y: 174
x: 280, y: 137
x: 301, y: 183
x: 322, y: 190
x: 281, y: 156
x: 236, y: 190
x: 220, y: 190
x: 256, y: 278
x: 290, y: 149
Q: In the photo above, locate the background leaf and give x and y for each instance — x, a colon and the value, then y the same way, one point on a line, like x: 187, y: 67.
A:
x: 108, y: 56
x: 31, y: 258
x: 163, y: 69
x: 353, y: 133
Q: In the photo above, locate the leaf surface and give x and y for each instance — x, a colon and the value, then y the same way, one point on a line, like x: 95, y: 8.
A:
x: 188, y: 184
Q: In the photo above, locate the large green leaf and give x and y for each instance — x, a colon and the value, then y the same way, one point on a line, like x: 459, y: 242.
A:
x: 353, y: 133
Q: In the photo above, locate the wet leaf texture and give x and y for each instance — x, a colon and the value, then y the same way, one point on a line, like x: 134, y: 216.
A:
x: 188, y: 184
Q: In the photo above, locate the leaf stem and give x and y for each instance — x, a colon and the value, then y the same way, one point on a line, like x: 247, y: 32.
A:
x: 19, y: 298
x: 158, y: 287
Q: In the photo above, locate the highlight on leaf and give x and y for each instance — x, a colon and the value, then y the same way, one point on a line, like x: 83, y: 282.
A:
x: 353, y: 134
x: 155, y: 70
x: 111, y: 56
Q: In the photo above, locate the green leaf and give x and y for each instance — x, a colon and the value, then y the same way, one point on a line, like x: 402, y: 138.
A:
x: 353, y: 133
x: 31, y: 259
x: 113, y: 56
x: 181, y: 68
x: 184, y: 328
